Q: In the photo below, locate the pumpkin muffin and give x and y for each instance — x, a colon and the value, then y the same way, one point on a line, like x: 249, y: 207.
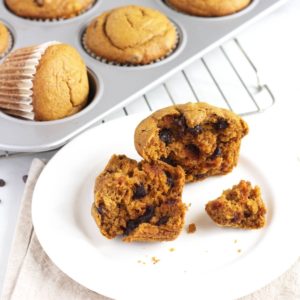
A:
x: 44, y: 82
x: 209, y: 8
x: 48, y: 9
x: 131, y: 35
x: 4, y: 39
x: 204, y: 140
x: 239, y: 207
x: 139, y: 201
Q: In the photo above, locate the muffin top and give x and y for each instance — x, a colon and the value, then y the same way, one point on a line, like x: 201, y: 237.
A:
x: 60, y: 85
x: 209, y: 8
x: 48, y: 9
x: 4, y: 38
x: 131, y: 35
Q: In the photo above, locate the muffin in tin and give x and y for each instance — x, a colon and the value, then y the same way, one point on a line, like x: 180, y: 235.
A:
x: 48, y: 9
x: 44, y: 82
x: 5, y: 39
x: 133, y: 35
x: 209, y: 8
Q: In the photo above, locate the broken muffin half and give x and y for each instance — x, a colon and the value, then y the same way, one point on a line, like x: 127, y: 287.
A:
x: 139, y: 201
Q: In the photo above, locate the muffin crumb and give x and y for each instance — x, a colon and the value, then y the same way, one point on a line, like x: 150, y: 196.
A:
x: 155, y: 260
x: 172, y: 249
x: 192, y: 228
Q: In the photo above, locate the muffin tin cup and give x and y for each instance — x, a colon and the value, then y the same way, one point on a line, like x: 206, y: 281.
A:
x: 115, y: 86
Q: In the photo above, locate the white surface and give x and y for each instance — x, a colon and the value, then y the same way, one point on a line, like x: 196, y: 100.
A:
x: 274, y: 46
x: 66, y: 231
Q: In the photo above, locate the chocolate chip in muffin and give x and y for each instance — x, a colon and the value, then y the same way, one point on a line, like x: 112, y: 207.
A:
x: 139, y: 192
x: 165, y: 136
x: 193, y: 150
x: 169, y: 161
x: 196, y: 130
x: 221, y: 124
x: 162, y: 221
x: 170, y: 180
x: 217, y: 152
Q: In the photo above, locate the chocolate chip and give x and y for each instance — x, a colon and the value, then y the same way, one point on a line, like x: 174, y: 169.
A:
x: 235, y: 218
x: 163, y: 220
x: 199, y: 176
x: 221, y: 124
x: 171, y: 202
x: 139, y: 191
x: 193, y: 149
x: 2, y: 183
x: 196, y: 130
x: 100, y: 209
x: 247, y: 214
x: 165, y: 135
x: 169, y: 161
x: 217, y: 152
x: 170, y: 180
x: 25, y: 177
x: 180, y: 122
x: 146, y: 217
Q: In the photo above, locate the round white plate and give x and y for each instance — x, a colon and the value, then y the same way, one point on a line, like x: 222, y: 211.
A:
x: 212, y: 263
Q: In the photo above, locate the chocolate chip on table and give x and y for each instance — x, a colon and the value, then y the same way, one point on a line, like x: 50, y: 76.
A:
x: 217, y: 152
x: 165, y: 135
x: 2, y: 183
x: 193, y: 149
x: 139, y: 192
x: 221, y: 124
x: 25, y: 177
x: 169, y: 161
x: 163, y: 220
x: 170, y: 180
x: 145, y: 218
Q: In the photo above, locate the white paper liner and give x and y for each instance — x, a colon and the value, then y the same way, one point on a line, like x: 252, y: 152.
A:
x: 50, y: 20
x: 16, y: 80
x: 10, y: 44
x: 115, y: 63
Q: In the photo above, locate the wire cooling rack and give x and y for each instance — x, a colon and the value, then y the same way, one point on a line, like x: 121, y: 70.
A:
x: 225, y: 77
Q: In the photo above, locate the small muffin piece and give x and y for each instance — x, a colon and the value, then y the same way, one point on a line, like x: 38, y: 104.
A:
x: 44, y: 82
x: 141, y: 201
x: 209, y: 8
x: 131, y: 35
x: 4, y: 39
x: 239, y: 207
x: 204, y: 140
x: 48, y: 9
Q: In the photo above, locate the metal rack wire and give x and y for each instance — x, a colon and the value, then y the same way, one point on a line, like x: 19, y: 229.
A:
x: 226, y: 77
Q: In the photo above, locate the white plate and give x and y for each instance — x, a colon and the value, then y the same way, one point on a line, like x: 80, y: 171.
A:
x: 213, y: 263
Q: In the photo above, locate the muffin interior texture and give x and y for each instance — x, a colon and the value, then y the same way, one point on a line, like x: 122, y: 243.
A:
x: 4, y: 39
x: 139, y: 201
x: 239, y: 207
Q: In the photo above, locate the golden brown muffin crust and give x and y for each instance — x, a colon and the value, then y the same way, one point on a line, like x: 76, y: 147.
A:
x: 204, y: 140
x: 48, y: 9
x: 209, y: 8
x: 4, y: 38
x: 60, y: 86
x: 131, y: 34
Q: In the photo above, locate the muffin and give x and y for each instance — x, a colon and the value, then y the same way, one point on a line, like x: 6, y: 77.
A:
x: 44, y: 82
x: 131, y: 35
x: 209, y: 8
x: 204, y: 140
x: 5, y: 39
x: 139, y: 201
x: 48, y: 9
x: 239, y: 207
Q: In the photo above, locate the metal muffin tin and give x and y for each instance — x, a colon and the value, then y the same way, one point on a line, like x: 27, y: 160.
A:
x: 113, y: 86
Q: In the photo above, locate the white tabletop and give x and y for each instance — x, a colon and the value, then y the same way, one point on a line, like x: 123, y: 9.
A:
x: 273, y: 44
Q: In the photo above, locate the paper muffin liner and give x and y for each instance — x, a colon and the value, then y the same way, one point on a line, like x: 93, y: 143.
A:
x: 115, y: 63
x: 49, y: 20
x: 10, y: 44
x: 16, y: 80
